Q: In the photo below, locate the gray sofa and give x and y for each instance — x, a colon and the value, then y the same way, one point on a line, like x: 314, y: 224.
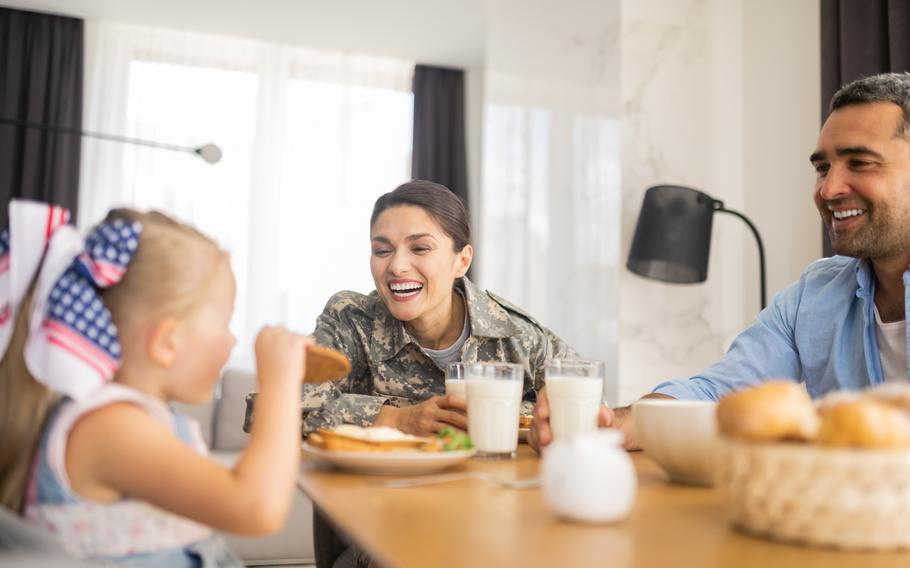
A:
x: 222, y: 426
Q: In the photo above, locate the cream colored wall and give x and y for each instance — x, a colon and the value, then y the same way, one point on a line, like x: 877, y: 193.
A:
x: 782, y: 98
x: 549, y: 213
x: 721, y: 95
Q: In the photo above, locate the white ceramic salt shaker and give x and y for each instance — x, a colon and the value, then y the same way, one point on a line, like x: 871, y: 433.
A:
x: 589, y: 479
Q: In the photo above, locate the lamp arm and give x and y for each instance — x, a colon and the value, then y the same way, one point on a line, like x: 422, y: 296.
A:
x: 100, y: 135
x: 761, y: 247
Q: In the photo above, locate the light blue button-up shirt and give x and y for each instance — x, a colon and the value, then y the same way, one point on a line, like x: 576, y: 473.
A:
x: 820, y: 330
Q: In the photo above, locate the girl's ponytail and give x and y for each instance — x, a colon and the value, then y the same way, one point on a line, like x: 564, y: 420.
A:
x: 24, y: 405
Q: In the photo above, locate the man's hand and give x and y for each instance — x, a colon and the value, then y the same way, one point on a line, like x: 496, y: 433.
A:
x: 426, y: 418
x: 619, y: 418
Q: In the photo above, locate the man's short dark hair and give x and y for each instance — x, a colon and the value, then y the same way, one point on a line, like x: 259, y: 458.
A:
x: 886, y: 87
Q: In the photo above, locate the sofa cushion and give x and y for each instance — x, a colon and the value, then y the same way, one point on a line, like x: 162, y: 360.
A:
x: 228, y: 433
x: 292, y: 544
x: 204, y: 414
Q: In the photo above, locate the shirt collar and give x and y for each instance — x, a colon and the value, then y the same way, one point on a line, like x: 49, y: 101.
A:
x: 389, y: 335
x: 488, y: 317
x: 865, y: 277
x: 485, y: 316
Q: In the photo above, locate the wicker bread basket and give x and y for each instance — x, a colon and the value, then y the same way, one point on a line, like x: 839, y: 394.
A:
x: 844, y: 498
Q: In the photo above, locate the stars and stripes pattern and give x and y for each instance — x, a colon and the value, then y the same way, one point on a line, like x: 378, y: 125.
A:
x: 4, y: 248
x: 77, y: 320
x: 32, y: 224
x: 72, y: 344
x: 5, y: 311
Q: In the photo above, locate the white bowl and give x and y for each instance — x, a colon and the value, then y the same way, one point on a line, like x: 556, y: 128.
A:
x: 680, y: 435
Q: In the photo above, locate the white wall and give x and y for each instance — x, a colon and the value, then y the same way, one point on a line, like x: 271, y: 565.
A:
x: 721, y: 95
x: 436, y: 32
x: 783, y: 113
x: 549, y: 219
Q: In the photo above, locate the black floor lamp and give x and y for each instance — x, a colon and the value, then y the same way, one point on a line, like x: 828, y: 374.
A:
x: 672, y: 239
x: 208, y: 152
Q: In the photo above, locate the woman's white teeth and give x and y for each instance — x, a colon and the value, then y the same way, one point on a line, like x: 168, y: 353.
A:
x: 407, y: 294
x: 848, y: 213
x: 406, y: 290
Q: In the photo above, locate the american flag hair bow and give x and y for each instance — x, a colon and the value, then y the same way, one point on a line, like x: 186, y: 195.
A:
x: 72, y: 345
x: 31, y: 226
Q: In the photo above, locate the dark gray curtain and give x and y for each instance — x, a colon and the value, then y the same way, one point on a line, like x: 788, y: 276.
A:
x: 859, y: 38
x: 40, y: 82
x: 439, y: 137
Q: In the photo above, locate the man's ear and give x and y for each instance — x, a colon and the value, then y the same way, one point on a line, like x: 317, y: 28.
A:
x: 464, y: 260
x: 162, y: 343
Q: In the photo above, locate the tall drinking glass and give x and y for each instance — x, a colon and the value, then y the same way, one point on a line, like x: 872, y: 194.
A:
x: 574, y: 391
x: 494, y: 402
x: 455, y: 380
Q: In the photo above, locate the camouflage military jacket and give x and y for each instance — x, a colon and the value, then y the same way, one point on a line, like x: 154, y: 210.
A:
x: 389, y: 367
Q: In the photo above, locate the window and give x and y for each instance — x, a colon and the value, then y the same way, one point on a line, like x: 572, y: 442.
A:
x: 344, y: 147
x: 310, y: 139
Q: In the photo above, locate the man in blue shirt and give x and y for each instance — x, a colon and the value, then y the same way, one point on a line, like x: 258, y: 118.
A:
x: 841, y: 325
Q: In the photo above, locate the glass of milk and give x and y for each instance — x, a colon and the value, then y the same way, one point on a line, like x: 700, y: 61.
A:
x: 494, y: 402
x: 575, y: 393
x: 455, y: 380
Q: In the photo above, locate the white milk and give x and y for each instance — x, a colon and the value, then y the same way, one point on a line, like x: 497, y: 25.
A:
x: 456, y: 387
x: 574, y: 402
x: 493, y: 407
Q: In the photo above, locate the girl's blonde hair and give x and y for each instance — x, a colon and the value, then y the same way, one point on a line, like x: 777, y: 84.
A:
x: 170, y: 272
x: 169, y: 275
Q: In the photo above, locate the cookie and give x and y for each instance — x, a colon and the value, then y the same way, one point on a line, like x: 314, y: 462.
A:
x: 324, y: 364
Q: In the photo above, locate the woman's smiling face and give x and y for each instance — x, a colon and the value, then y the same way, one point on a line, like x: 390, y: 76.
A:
x: 414, y: 264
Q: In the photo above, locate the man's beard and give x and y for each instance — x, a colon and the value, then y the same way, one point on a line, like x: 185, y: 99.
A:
x: 879, y: 237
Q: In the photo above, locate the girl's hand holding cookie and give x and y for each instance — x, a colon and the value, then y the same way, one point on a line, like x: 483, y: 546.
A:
x: 280, y: 355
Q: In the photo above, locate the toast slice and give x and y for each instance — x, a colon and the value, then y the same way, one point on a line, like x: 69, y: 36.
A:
x: 355, y: 439
x: 324, y: 364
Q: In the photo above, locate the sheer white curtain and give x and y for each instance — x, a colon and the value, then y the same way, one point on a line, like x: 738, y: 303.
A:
x: 549, y: 231
x: 550, y: 213
x: 310, y: 139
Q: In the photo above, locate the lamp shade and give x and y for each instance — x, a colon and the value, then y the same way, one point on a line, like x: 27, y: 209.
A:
x: 672, y: 239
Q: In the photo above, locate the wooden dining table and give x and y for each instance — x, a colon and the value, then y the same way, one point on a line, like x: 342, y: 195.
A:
x: 473, y: 522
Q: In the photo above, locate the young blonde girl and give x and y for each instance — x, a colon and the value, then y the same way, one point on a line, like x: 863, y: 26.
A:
x: 116, y: 473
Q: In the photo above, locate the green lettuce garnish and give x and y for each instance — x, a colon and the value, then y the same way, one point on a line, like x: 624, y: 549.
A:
x: 454, y: 440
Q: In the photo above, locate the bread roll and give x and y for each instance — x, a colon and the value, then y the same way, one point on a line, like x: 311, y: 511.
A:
x: 774, y: 410
x: 892, y: 394
x: 863, y: 423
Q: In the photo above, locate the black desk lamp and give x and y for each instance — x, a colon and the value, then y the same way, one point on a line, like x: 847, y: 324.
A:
x: 208, y: 152
x: 673, y: 236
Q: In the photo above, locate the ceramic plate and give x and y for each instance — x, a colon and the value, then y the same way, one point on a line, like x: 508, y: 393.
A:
x: 389, y: 463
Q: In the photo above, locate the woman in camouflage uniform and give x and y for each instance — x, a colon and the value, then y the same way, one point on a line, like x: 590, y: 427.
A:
x: 423, y: 314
